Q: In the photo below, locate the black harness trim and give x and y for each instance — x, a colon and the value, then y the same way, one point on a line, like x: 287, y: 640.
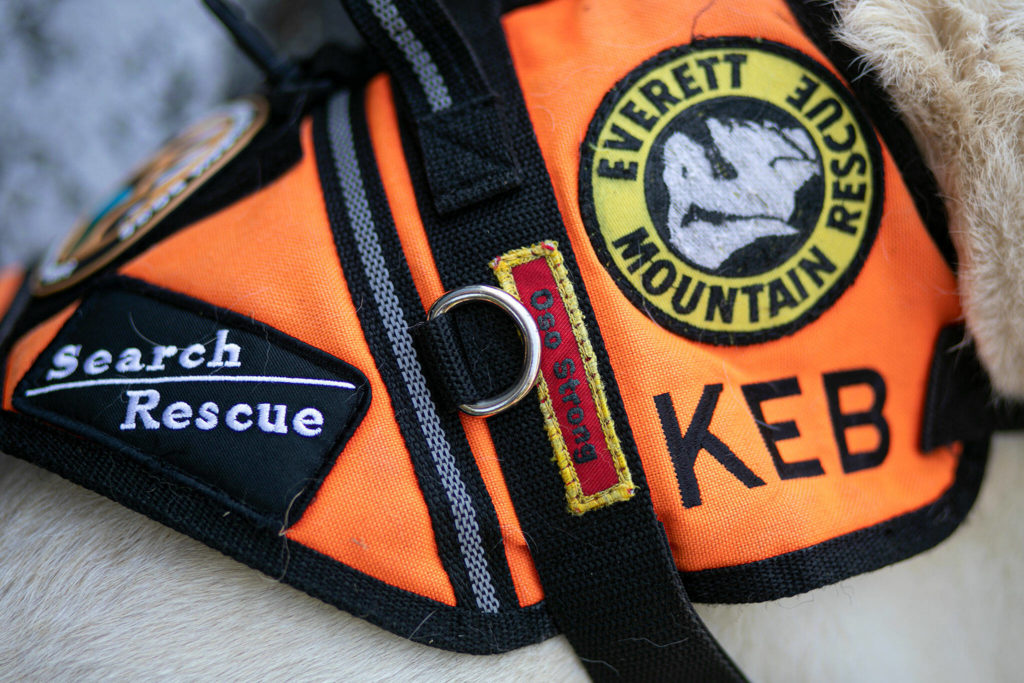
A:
x: 609, y: 578
x: 467, y: 154
x: 393, y: 362
x: 857, y: 552
x: 129, y: 482
x: 960, y: 403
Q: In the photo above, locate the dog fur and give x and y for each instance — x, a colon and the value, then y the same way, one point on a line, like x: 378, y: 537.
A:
x: 955, y: 69
x: 90, y: 590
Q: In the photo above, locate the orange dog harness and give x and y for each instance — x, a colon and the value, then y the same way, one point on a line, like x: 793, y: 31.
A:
x: 726, y: 267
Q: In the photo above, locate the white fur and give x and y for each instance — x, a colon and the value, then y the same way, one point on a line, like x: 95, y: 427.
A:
x: 771, y: 164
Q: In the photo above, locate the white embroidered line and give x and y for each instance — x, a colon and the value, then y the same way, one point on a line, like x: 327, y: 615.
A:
x: 372, y: 257
x: 251, y: 379
x: 419, y: 59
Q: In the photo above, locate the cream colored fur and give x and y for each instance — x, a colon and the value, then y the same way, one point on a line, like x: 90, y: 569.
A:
x: 955, y: 68
x: 89, y: 590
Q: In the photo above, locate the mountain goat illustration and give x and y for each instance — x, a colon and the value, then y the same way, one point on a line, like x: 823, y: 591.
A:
x: 743, y: 188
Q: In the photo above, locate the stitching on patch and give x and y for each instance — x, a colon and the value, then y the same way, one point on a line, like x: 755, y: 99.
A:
x: 579, y: 503
x: 635, y: 293
x: 264, y: 516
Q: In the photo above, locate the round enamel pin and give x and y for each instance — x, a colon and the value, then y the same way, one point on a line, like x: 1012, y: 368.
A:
x: 149, y: 194
x: 732, y: 188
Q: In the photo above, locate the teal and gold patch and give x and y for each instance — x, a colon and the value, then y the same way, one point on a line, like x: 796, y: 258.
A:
x: 149, y: 194
x: 732, y: 188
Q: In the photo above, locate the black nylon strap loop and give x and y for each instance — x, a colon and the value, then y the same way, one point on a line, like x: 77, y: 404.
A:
x: 466, y: 150
x: 462, y: 373
x: 960, y: 405
x: 609, y: 578
x: 444, y: 359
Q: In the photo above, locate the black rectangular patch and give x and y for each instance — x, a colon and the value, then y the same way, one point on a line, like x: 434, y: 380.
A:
x: 219, y: 402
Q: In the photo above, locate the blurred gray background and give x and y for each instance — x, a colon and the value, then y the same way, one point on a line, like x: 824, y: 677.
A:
x: 89, y: 88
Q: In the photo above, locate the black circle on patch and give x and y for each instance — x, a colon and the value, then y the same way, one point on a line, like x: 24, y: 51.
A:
x: 740, y: 260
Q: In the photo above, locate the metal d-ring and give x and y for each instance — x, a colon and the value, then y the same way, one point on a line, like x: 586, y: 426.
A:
x: 531, y: 340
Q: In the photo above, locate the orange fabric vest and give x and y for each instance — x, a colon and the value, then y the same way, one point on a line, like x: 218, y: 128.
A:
x: 738, y: 322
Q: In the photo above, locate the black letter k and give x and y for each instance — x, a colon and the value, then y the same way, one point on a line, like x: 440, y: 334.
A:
x: 684, y: 449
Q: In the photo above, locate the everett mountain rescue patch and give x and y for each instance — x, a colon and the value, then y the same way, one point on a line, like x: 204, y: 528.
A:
x: 732, y: 188
x: 151, y: 192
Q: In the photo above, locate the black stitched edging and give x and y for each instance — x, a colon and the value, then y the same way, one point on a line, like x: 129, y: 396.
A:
x: 589, y: 214
x: 818, y: 19
x: 121, y: 478
x: 433, y: 491
x: 262, y: 517
x: 860, y: 551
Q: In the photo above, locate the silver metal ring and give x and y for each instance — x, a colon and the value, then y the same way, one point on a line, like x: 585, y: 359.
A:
x: 531, y: 339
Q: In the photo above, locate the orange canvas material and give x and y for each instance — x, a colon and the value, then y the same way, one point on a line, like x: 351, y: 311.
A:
x: 10, y: 280
x: 302, y: 293
x: 383, y: 122
x: 569, y: 55
x: 272, y: 257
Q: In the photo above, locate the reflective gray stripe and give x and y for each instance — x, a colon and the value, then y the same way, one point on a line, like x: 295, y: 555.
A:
x: 419, y: 59
x: 390, y: 309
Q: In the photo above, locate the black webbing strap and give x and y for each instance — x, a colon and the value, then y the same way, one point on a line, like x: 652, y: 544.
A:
x: 609, y: 579
x: 960, y: 404
x: 465, y: 524
x: 449, y: 361
x: 466, y: 150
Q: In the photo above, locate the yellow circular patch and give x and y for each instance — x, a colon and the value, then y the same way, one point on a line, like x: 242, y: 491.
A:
x: 732, y: 188
x: 149, y: 194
